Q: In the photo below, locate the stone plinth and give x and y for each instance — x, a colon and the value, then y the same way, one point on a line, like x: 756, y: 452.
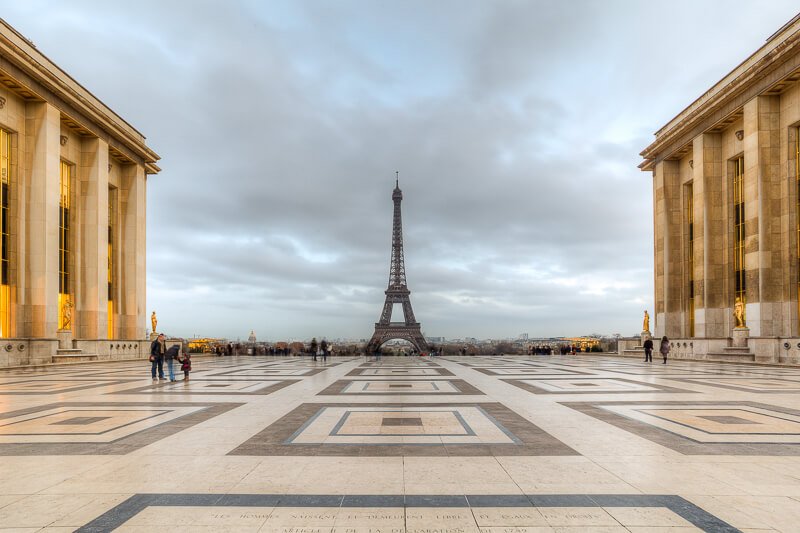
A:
x: 64, y: 337
x: 740, y: 336
x: 644, y: 336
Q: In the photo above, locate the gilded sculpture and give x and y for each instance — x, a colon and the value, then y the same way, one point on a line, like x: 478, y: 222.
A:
x: 738, y: 313
x: 153, y: 321
x: 646, y: 324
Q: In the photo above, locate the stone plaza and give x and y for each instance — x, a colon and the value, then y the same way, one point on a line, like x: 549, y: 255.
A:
x: 453, y: 444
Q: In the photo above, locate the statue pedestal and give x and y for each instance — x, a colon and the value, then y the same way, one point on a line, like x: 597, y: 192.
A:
x: 64, y: 337
x: 153, y: 336
x: 644, y: 336
x: 740, y: 336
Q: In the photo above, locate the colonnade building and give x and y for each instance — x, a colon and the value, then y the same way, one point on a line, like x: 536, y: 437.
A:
x: 726, y: 206
x: 72, y: 216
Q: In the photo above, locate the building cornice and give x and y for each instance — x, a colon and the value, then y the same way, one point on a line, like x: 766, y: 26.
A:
x: 777, y: 60
x: 40, y: 75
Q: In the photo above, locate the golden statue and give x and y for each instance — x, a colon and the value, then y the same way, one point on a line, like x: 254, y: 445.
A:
x: 738, y: 313
x: 66, y: 313
x: 153, y: 321
x: 646, y: 325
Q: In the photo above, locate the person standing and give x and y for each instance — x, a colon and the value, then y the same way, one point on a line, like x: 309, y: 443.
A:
x: 648, y: 350
x: 157, y: 349
x: 664, y: 348
x: 171, y: 355
x: 186, y: 365
x: 323, y: 346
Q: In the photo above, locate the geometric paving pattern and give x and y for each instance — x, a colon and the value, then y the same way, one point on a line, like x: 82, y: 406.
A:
x: 485, y: 444
x: 48, y: 386
x: 585, y: 385
x: 402, y: 429
x: 200, y: 386
x: 732, y: 428
x: 98, y: 428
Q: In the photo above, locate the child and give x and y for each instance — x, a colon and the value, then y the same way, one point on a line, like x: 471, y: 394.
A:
x: 186, y: 366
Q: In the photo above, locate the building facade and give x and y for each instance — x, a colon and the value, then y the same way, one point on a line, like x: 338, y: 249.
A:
x: 72, y: 220
x: 726, y: 175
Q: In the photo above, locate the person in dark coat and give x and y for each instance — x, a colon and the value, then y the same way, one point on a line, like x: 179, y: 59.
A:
x: 157, y: 349
x: 665, y: 347
x: 648, y: 350
x: 171, y: 355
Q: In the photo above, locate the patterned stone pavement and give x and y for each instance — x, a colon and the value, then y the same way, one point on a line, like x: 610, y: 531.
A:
x: 454, y: 444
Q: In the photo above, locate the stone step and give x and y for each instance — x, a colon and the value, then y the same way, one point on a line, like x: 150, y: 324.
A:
x: 74, y: 357
x: 736, y: 349
x: 69, y: 351
x: 730, y: 356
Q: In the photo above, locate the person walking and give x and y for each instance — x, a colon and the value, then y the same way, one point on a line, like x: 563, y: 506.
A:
x: 157, y: 349
x: 648, y: 350
x: 171, y: 355
x: 665, y: 347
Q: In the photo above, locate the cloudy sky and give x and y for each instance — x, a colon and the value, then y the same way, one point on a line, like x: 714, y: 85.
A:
x: 515, y: 125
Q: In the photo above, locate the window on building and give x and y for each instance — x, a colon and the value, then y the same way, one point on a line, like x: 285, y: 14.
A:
x: 5, y: 177
x: 690, y: 255
x: 739, y: 273
x: 112, y: 202
x: 65, y: 304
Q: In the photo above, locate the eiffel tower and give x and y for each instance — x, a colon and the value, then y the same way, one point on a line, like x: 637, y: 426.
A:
x: 397, y: 292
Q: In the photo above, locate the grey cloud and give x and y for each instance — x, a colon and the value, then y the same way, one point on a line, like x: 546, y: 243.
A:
x: 516, y: 127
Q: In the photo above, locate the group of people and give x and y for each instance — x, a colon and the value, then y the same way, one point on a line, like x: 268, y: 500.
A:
x: 160, y: 353
x: 664, y: 349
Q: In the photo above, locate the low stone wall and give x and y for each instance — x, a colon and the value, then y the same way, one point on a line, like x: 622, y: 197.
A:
x: 768, y: 350
x: 38, y: 352
x: 111, y: 350
x: 26, y: 352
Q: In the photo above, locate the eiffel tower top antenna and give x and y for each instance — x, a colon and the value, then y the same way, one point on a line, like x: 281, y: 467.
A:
x: 397, y: 178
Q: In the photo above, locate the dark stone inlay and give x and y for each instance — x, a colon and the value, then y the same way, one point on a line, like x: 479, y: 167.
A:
x: 80, y: 421
x: 416, y: 372
x: 530, y: 372
x: 46, y: 386
x: 170, y: 389
x: 728, y: 419
x: 518, y: 382
x: 794, y: 385
x: 463, y: 388
x: 401, y: 422
x: 686, y: 445
x: 126, y: 510
x: 528, y: 438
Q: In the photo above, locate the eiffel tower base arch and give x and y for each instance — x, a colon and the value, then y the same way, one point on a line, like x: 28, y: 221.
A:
x: 401, y: 332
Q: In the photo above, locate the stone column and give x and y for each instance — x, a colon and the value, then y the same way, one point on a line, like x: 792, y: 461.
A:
x: 762, y: 187
x: 132, y: 201
x: 668, y: 242
x: 709, y: 230
x: 92, y: 275
x: 41, y: 176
